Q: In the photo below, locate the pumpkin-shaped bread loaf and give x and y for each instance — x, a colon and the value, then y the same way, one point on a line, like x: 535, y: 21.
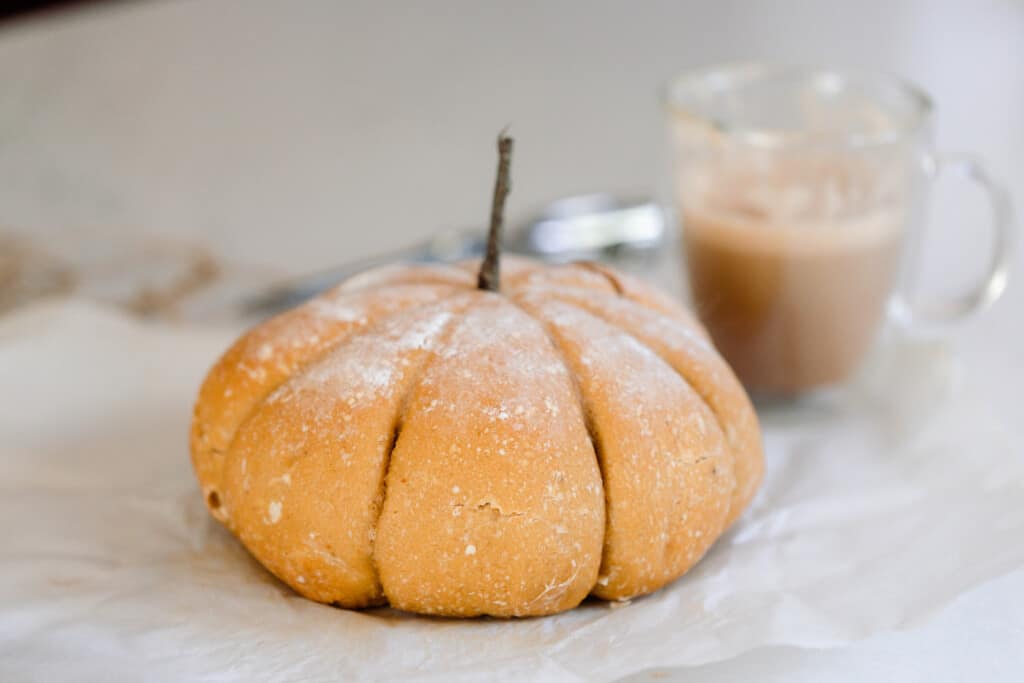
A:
x: 409, y: 439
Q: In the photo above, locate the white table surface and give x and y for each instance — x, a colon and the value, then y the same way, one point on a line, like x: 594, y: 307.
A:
x: 304, y: 134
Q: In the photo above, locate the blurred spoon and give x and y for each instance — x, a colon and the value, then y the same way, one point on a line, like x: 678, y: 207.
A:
x: 593, y: 226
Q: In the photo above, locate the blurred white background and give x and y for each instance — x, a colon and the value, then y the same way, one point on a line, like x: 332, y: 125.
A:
x: 301, y: 135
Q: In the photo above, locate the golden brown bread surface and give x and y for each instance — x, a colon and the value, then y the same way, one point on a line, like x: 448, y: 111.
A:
x: 406, y: 439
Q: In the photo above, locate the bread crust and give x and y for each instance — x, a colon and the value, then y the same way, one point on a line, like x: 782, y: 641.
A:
x: 406, y: 439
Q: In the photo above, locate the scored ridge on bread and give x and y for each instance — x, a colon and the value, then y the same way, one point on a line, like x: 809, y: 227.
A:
x: 692, y: 355
x: 268, y: 354
x: 657, y: 443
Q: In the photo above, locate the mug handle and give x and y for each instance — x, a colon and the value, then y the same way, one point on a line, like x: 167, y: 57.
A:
x: 992, y: 285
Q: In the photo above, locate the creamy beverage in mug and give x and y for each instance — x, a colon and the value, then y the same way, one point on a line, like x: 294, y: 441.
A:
x: 792, y: 291
x: 798, y: 192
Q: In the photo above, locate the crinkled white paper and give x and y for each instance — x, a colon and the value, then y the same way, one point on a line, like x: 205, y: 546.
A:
x: 882, y: 503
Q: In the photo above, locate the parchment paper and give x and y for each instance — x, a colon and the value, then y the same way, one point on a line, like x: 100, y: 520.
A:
x: 882, y: 503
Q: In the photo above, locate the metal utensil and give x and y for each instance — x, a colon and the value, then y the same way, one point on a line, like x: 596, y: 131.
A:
x: 593, y: 226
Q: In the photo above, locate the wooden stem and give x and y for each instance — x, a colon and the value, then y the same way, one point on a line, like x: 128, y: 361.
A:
x: 489, y: 278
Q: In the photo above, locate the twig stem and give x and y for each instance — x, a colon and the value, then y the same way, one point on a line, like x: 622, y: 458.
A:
x: 489, y: 278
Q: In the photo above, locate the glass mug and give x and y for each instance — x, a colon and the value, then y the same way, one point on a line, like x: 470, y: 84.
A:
x: 801, y: 193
